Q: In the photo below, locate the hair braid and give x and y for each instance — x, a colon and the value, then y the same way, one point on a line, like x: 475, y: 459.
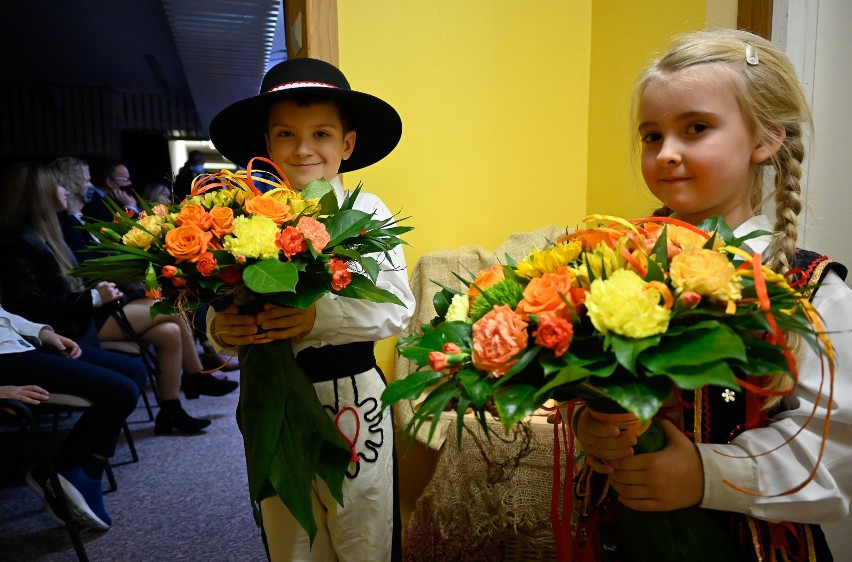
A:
x: 788, y: 202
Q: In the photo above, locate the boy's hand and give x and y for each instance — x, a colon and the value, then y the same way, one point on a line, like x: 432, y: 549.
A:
x: 233, y: 329
x: 53, y: 341
x: 672, y: 478
x: 602, y: 442
x: 281, y: 323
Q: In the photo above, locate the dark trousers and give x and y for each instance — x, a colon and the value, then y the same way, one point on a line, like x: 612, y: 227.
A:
x: 110, y: 381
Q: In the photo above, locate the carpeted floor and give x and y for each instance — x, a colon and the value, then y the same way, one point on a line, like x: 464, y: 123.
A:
x: 185, y: 500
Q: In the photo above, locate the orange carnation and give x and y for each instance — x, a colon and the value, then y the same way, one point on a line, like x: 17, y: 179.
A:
x: 222, y: 221
x: 194, y: 214
x: 498, y: 337
x: 206, y: 264
x: 315, y: 231
x: 187, y: 243
x: 548, y: 295
x: 269, y: 207
x: 485, y: 279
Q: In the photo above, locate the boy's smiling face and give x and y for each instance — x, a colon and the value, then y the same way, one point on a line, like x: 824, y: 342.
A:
x: 307, y: 141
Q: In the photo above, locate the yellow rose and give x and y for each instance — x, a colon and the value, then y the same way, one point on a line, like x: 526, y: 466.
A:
x: 153, y: 224
x: 459, y: 308
x: 254, y: 237
x: 706, y: 272
x: 539, y: 262
x: 625, y: 305
x: 138, y: 238
x: 603, y: 260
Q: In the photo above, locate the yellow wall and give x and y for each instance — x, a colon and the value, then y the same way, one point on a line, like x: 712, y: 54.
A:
x: 515, y: 115
x: 494, y: 102
x: 621, y: 46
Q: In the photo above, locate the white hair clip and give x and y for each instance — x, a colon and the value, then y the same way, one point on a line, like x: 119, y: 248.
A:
x: 751, y: 55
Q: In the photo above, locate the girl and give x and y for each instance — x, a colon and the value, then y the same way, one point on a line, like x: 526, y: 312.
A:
x: 34, y: 281
x: 712, y: 114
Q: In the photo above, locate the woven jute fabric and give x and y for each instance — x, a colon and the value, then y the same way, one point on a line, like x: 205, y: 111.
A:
x: 439, y: 266
x: 478, y: 494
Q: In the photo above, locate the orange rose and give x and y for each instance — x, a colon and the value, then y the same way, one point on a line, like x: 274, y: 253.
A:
x: 223, y: 221
x: 485, y: 279
x: 269, y: 207
x: 548, y: 295
x: 498, y: 337
x: 187, y: 243
x: 194, y: 214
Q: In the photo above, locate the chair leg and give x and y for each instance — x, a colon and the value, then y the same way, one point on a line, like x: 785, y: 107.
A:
x: 130, y: 443
x: 31, y: 422
x: 147, y: 405
x: 113, y: 485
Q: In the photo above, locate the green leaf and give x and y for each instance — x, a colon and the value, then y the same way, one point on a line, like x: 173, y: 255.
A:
x: 271, y: 276
x: 695, y: 347
x: 371, y: 267
x: 362, y: 288
x: 693, y: 377
x: 514, y: 403
x: 346, y: 224
x: 476, y: 385
x: 409, y: 388
x: 627, y: 350
x: 642, y: 397
x: 287, y: 434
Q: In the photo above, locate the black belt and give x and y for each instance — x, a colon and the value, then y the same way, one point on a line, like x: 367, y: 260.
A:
x: 331, y: 362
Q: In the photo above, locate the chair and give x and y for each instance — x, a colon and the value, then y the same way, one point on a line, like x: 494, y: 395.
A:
x: 71, y: 402
x: 135, y: 347
x: 29, y: 423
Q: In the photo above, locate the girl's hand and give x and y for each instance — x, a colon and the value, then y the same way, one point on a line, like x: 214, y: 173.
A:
x: 672, y: 478
x: 233, y: 329
x: 108, y: 292
x: 29, y: 394
x: 63, y: 345
x: 602, y: 442
x: 281, y: 323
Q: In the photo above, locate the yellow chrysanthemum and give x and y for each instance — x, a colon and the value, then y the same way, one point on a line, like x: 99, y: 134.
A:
x: 706, y: 272
x: 459, y: 309
x: 254, y: 237
x: 539, y: 262
x: 624, y: 304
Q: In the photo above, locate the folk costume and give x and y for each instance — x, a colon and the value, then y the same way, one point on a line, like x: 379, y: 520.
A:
x: 768, y: 453
x: 337, y: 355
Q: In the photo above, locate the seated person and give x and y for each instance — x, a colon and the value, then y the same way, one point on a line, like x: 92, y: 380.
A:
x: 34, y: 281
x: 35, y: 361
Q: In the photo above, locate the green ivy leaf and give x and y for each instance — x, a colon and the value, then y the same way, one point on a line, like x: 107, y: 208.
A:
x: 271, y: 276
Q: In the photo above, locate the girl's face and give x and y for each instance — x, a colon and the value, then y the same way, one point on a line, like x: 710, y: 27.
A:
x: 698, y: 152
x: 61, y: 199
x: 307, y: 142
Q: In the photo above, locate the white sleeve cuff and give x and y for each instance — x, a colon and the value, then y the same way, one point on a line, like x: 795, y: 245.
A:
x: 727, y: 463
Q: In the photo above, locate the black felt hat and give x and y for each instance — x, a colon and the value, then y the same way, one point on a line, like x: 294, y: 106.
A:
x: 237, y: 131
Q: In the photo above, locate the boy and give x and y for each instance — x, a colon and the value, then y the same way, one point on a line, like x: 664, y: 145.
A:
x: 306, y: 119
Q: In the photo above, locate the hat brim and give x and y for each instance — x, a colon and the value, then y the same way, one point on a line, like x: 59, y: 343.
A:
x: 237, y: 131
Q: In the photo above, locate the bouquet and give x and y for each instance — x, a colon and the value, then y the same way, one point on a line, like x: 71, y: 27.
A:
x: 622, y: 315
x: 230, y: 243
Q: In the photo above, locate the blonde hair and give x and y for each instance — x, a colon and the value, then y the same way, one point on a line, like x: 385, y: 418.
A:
x: 72, y: 173
x: 771, y: 99
x: 29, y: 195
